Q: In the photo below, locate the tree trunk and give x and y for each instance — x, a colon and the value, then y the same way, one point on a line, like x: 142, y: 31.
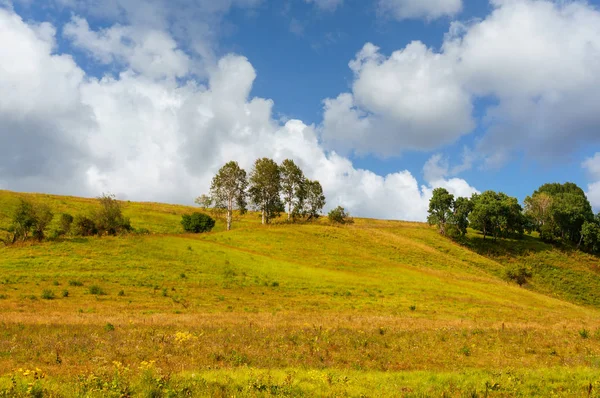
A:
x: 229, y: 219
x: 263, y: 217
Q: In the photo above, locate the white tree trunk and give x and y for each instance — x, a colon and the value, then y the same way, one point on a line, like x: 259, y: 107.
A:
x: 264, y: 221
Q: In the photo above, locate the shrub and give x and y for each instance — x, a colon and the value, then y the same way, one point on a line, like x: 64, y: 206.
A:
x: 97, y: 290
x: 197, y: 222
x: 84, y: 226
x: 66, y: 220
x: 48, y: 294
x: 65, y: 293
x: 30, y: 219
x: 519, y: 274
x: 340, y: 216
x: 109, y: 219
x: 75, y: 283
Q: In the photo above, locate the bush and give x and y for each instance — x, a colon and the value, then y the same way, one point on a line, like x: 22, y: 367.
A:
x: 519, y: 274
x: 197, y: 222
x: 48, y: 295
x: 66, y: 220
x: 97, y: 290
x: 340, y: 216
x: 30, y: 219
x: 110, y: 220
x: 84, y: 226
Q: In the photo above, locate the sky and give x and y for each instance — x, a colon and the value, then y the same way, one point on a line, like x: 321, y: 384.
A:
x: 382, y: 101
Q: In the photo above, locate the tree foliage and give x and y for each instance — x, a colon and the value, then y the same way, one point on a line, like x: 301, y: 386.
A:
x: 30, y: 219
x: 228, y: 190
x: 314, y: 200
x: 565, y: 210
x: 109, y: 219
x: 265, y: 188
x: 197, y: 222
x: 204, y: 201
x: 440, y: 209
x: 293, y: 187
x: 497, y: 214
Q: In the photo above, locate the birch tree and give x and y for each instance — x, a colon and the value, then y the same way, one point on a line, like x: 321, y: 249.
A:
x: 292, y: 186
x: 228, y: 190
x: 265, y: 189
x: 314, y: 200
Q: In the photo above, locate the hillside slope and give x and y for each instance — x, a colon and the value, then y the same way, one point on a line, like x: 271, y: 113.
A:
x: 373, y: 296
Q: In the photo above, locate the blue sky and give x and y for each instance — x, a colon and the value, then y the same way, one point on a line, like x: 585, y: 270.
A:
x: 512, y: 83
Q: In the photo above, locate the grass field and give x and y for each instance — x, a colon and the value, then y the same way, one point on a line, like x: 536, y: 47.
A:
x: 377, y: 308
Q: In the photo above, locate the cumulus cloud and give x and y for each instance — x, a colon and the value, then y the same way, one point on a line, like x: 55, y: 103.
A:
x: 161, y: 139
x: 412, y: 99
x: 538, y: 61
x: 415, y: 9
x: 148, y: 51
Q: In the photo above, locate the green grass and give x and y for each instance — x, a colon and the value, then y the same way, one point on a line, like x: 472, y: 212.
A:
x: 379, y: 308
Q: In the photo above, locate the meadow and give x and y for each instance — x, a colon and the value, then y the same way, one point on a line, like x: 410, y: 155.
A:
x: 376, y: 308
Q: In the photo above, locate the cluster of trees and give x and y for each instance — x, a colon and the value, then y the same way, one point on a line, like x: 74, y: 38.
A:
x: 32, y: 219
x: 563, y: 212
x: 493, y: 213
x: 270, y: 188
x: 556, y: 211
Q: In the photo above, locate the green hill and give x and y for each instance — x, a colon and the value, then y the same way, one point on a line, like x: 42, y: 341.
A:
x: 373, y: 308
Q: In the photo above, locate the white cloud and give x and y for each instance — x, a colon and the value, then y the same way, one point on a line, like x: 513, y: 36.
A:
x: 148, y: 51
x: 410, y: 100
x: 537, y: 61
x: 592, y: 166
x: 541, y: 61
x: 158, y: 139
x: 327, y: 5
x: 414, y: 9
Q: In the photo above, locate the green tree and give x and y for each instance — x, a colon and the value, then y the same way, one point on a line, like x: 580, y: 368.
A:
x: 440, y: 209
x: 228, y: 190
x: 590, y: 236
x: 265, y: 188
x: 569, y: 210
x: 496, y: 214
x: 459, y: 219
x: 23, y: 220
x: 29, y: 219
x: 197, y: 222
x: 109, y: 219
x: 314, y: 201
x: 43, y: 216
x: 292, y: 187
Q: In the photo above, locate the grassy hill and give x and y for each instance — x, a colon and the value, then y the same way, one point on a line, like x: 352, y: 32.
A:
x: 375, y: 308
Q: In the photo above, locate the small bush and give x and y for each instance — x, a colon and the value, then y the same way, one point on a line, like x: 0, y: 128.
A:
x: 412, y: 308
x: 75, y: 283
x: 109, y: 327
x: 84, y: 226
x: 97, y: 290
x: 66, y: 221
x: 65, y: 293
x: 48, y: 294
x: 340, y: 216
x: 584, y: 333
x: 519, y: 274
x: 3, y: 296
x: 197, y: 222
x: 121, y: 293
